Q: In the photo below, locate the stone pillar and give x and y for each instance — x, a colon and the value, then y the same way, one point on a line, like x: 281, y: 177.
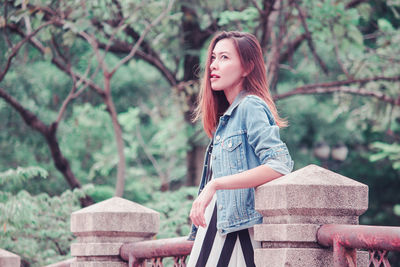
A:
x: 102, y: 228
x: 8, y: 259
x: 295, y: 206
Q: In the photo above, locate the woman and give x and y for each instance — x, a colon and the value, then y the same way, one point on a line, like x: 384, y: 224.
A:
x: 238, y: 113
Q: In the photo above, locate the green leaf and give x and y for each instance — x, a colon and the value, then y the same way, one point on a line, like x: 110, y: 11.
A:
x: 385, y: 25
x: 396, y: 209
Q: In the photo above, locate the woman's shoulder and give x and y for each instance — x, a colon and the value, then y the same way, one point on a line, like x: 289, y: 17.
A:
x: 254, y: 107
x: 253, y: 101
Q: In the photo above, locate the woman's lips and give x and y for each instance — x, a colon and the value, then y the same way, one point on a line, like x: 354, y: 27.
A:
x: 214, y: 77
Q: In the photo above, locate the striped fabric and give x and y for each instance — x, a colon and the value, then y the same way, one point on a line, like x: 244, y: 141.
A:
x: 212, y: 249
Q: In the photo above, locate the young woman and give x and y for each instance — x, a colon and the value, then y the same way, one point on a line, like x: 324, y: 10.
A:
x: 240, y: 117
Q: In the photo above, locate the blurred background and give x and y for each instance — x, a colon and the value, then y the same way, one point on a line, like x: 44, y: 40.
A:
x: 96, y: 100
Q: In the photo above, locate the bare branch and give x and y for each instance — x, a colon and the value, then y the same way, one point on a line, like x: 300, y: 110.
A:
x: 144, y: 33
x: 309, y: 39
x: 66, y: 101
x: 348, y: 82
x: 57, y: 49
x: 57, y: 61
x: 29, y: 118
x: 335, y: 43
x: 150, y: 156
x: 72, y: 95
x: 93, y: 42
x: 75, y: 95
x: 267, y: 21
x: 355, y: 91
x: 355, y: 3
x: 339, y: 86
x: 5, y: 28
x: 292, y: 47
x: 257, y: 6
x: 16, y: 48
x: 276, y: 50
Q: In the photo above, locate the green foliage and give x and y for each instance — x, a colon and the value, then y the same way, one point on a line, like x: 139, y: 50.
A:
x: 365, y: 39
x: 248, y: 16
x: 101, y: 192
x: 174, y: 208
x: 396, y: 209
x: 389, y: 151
x: 36, y: 227
x: 21, y: 174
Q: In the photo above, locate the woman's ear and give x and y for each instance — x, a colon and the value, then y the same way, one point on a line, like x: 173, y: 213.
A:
x: 249, y: 69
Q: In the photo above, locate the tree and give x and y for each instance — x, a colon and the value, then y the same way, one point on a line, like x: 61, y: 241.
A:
x: 289, y: 35
x: 47, y: 131
x: 343, y: 46
x: 61, y: 16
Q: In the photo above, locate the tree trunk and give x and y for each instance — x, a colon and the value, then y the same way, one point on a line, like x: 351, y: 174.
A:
x: 121, y: 169
x: 194, y: 39
x: 62, y: 163
x: 49, y: 133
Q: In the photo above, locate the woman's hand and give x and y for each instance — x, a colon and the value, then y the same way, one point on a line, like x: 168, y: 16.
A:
x: 200, y: 204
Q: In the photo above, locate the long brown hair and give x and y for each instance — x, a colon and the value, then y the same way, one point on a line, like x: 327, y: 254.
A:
x: 212, y: 104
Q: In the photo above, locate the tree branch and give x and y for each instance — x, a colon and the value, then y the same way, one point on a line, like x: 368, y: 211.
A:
x: 348, y: 82
x: 355, y: 3
x: 276, y: 50
x: 268, y: 8
x: 16, y: 48
x: 335, y: 43
x: 29, y: 118
x: 58, y: 62
x: 309, y: 39
x: 141, y: 38
x: 150, y: 157
x: 355, y: 91
x: 291, y: 48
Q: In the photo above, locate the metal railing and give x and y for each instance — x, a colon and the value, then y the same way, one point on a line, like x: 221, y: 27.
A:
x: 152, y: 252
x: 346, y: 239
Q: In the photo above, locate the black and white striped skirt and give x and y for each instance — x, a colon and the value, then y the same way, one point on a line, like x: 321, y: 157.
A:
x: 211, y: 249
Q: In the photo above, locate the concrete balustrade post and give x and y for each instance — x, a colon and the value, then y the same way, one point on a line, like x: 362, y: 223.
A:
x: 295, y: 206
x: 102, y: 228
x: 8, y: 259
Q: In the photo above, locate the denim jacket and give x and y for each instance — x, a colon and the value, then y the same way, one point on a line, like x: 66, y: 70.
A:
x: 246, y: 137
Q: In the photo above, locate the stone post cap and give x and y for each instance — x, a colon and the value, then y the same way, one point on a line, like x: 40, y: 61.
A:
x: 8, y: 259
x: 312, y: 191
x: 115, y: 216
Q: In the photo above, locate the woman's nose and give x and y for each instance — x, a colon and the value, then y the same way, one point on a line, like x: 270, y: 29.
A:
x: 213, y: 65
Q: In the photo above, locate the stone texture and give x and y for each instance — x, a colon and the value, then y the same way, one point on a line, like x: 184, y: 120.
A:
x: 115, y: 216
x: 66, y: 263
x: 295, y: 206
x: 309, y: 195
x: 101, y: 229
x: 8, y: 259
x: 286, y: 232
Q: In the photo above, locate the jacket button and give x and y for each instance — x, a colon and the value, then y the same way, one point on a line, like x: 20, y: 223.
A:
x: 218, y: 137
x: 220, y: 207
x: 230, y: 145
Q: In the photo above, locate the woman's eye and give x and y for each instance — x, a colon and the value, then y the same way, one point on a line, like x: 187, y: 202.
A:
x: 224, y: 57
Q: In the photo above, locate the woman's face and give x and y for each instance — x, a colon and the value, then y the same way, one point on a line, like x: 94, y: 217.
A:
x: 226, y: 71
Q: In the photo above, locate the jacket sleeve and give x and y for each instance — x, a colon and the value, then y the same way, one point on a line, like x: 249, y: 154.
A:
x: 263, y: 135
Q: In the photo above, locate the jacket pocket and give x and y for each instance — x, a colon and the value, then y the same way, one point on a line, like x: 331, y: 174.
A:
x: 233, y: 153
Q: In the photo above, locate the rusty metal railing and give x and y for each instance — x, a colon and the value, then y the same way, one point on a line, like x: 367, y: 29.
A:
x: 152, y: 252
x: 346, y: 239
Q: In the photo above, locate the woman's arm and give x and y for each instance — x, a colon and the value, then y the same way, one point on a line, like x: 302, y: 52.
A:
x: 250, y: 178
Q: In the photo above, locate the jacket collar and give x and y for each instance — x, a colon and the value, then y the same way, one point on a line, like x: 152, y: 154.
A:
x: 235, y: 103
